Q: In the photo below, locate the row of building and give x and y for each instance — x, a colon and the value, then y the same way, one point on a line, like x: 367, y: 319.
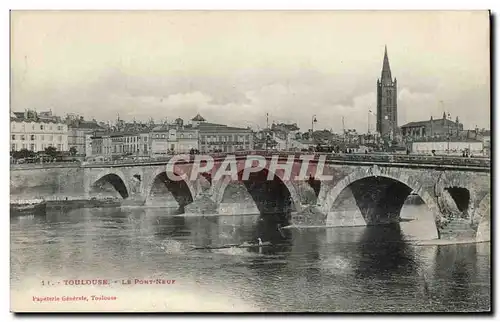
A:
x: 89, y: 139
x: 37, y: 131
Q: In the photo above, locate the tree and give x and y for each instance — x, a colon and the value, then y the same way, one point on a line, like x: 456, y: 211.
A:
x: 51, y: 151
x: 22, y: 154
x: 72, y: 151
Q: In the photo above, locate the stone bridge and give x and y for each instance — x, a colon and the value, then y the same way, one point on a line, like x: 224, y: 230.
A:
x: 311, y: 190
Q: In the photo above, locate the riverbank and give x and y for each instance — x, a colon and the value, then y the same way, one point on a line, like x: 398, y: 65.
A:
x: 45, y: 206
x: 441, y: 242
x: 83, y: 203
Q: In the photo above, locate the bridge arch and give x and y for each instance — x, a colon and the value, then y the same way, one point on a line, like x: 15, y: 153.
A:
x: 398, y: 188
x: 219, y: 187
x: 183, y: 191
x: 116, y: 178
x: 456, y: 193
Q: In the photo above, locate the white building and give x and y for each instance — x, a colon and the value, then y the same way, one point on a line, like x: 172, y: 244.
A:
x: 169, y: 139
x: 160, y: 144
x: 88, y: 145
x: 486, y: 137
x: 131, y: 143
x: 28, y: 131
x: 187, y: 139
x: 473, y: 147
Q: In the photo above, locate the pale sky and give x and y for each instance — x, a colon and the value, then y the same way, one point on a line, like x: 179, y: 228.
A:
x: 234, y: 67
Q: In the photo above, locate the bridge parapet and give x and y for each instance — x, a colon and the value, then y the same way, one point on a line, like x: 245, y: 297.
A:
x: 453, y: 161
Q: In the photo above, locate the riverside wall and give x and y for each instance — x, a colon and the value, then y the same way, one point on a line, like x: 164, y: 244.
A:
x: 46, y: 181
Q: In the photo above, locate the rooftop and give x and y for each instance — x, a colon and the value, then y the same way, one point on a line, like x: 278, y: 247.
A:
x: 32, y: 116
x: 424, y: 123
x: 160, y: 128
x: 86, y: 125
x: 198, y: 118
x: 213, y: 127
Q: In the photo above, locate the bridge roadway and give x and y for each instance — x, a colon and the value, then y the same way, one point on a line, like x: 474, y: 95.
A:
x: 455, y: 189
x: 445, y: 161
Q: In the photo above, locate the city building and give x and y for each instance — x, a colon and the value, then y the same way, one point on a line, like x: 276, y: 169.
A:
x: 486, y: 138
x: 452, y: 147
x: 88, y: 144
x: 303, y: 145
x: 263, y: 139
x: 187, y: 140
x: 98, y: 146
x: 29, y: 131
x: 222, y: 138
x: 144, y: 143
x: 439, y: 128
x: 160, y: 142
x: 351, y: 136
x: 107, y: 145
x: 131, y: 143
x: 173, y: 138
x: 387, y: 105
x: 48, y: 117
x: 78, y: 135
x: 285, y: 135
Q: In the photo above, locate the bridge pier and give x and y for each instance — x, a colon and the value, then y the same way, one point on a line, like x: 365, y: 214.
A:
x: 311, y: 215
x: 202, y: 204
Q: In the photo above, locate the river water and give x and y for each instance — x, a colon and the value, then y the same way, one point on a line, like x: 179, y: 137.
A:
x: 349, y: 269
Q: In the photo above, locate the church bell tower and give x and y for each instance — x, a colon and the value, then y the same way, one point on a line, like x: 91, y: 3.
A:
x: 387, y: 104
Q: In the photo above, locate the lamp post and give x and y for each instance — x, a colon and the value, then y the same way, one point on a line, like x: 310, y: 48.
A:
x: 267, y: 131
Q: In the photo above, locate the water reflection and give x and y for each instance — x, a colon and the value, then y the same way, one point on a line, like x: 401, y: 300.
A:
x: 382, y: 252
x: 336, y: 269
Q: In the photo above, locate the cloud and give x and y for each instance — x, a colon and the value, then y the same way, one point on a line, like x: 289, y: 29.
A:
x: 417, y: 106
x: 181, y: 99
x: 290, y: 65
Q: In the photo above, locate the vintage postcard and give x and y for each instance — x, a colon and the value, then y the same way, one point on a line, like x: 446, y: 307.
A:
x: 250, y: 161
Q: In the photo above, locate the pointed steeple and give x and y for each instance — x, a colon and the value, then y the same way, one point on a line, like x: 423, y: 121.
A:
x: 386, y: 69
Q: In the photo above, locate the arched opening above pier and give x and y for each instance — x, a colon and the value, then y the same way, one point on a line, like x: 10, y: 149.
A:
x: 110, y: 185
x: 461, y: 197
x: 379, y: 199
x: 268, y: 196
x: 376, y: 200
x: 164, y: 191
